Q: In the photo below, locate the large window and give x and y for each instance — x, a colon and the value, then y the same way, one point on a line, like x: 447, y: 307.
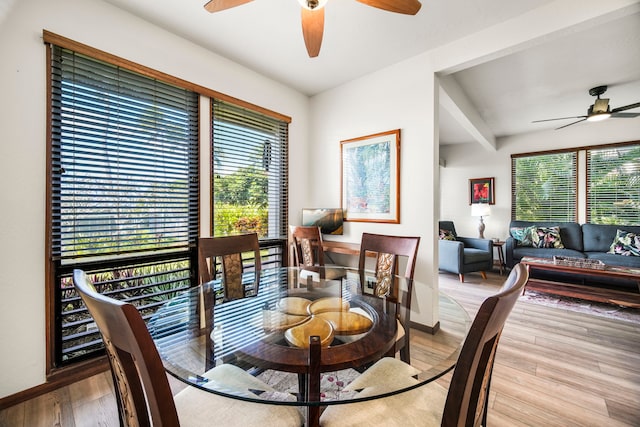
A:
x: 544, y: 187
x: 123, y: 191
x: 249, y: 159
x: 613, y: 195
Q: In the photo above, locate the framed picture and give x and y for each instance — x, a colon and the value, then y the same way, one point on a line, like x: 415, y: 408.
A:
x: 370, y: 186
x: 481, y: 190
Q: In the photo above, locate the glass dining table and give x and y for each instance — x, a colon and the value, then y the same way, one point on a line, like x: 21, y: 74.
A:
x: 307, y: 341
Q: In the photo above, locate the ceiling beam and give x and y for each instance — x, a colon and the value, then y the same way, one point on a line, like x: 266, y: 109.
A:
x: 540, y: 25
x: 455, y: 101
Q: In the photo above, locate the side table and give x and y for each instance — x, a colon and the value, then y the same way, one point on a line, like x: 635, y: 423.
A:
x: 498, y: 244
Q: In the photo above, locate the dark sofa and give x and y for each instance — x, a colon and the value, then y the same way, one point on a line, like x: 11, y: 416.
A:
x: 590, y: 241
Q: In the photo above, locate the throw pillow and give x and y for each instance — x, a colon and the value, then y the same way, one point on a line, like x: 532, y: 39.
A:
x: 447, y: 235
x: 546, y: 237
x: 625, y: 243
x: 522, y: 235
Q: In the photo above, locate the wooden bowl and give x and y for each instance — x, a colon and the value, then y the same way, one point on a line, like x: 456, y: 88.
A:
x: 273, y: 320
x: 346, y: 322
x: 298, y: 336
x: 294, y: 305
x: 322, y: 305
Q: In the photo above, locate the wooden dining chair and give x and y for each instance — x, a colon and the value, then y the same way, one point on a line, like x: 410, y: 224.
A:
x: 466, y: 401
x: 387, y: 250
x: 308, y: 253
x: 226, y: 254
x: 143, y: 393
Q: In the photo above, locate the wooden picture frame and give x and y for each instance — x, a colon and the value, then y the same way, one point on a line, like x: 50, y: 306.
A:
x: 370, y: 178
x: 482, y: 190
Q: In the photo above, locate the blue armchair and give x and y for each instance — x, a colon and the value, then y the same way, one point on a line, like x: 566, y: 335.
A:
x: 464, y: 254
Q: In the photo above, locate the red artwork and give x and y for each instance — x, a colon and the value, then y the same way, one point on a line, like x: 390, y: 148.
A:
x: 481, y: 191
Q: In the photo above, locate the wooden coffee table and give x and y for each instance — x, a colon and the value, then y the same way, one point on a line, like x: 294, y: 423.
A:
x: 591, y: 293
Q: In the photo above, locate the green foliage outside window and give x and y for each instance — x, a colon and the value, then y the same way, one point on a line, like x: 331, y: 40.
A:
x: 544, y: 188
x: 614, y: 185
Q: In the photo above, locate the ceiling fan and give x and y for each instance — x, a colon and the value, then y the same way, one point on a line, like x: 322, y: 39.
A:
x: 313, y: 15
x: 599, y: 110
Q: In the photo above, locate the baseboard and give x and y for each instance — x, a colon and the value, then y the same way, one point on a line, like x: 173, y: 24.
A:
x: 424, y: 328
x: 57, y: 379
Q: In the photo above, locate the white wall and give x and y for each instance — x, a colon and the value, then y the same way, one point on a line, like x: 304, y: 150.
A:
x: 465, y: 161
x: 402, y: 97
x: 23, y: 148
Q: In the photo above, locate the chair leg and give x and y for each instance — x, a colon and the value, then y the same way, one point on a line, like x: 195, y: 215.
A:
x: 405, y: 356
x: 461, y: 276
x: 484, y: 275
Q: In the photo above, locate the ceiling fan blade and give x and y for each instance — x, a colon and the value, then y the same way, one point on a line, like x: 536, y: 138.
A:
x: 218, y: 5
x: 624, y: 115
x: 560, y: 118
x: 312, y: 29
x: 407, y: 7
x: 572, y: 123
x: 626, y: 107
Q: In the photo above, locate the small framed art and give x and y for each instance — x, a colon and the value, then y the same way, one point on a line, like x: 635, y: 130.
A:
x: 481, y: 190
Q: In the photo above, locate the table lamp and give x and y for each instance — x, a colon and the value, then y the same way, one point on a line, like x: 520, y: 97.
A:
x: 480, y: 209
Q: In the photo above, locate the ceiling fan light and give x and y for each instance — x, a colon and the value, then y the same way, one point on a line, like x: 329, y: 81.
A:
x: 598, y: 117
x: 312, y: 4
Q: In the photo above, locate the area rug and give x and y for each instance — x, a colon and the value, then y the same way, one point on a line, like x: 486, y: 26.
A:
x: 609, y: 311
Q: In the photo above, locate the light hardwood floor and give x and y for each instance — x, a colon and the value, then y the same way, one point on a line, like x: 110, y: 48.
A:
x: 553, y: 368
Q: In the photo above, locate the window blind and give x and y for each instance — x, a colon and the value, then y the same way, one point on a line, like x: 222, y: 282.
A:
x: 614, y: 185
x: 123, y: 193
x: 250, y: 172
x: 544, y: 187
x: 124, y: 160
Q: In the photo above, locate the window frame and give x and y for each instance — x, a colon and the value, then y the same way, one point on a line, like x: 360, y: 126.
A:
x: 278, y: 154
x: 167, y: 266
x: 516, y: 157
x: 582, y: 176
x: 57, y: 375
x: 633, y: 145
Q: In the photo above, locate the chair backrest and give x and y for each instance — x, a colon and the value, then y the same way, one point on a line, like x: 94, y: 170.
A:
x: 387, y: 249
x: 307, y: 244
x: 143, y: 391
x: 466, y: 403
x: 227, y: 252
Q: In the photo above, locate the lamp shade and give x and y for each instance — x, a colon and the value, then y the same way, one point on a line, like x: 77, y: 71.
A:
x: 480, y: 209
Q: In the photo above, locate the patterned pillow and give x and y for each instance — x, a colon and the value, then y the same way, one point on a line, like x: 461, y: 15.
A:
x: 625, y: 243
x: 522, y: 235
x: 546, y: 237
x: 447, y: 235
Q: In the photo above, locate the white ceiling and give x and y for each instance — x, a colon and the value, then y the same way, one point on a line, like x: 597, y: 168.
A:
x: 547, y: 80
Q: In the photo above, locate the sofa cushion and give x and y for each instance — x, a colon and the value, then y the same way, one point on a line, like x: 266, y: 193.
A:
x: 520, y: 252
x: 598, y: 237
x: 472, y: 256
x: 570, y: 232
x: 546, y: 238
x: 522, y: 235
x: 625, y: 243
x: 616, y: 260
